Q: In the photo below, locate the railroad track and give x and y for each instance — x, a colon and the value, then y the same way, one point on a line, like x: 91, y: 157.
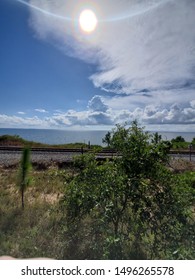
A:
x: 57, y: 150
x: 37, y: 149
x: 80, y: 150
x: 10, y: 155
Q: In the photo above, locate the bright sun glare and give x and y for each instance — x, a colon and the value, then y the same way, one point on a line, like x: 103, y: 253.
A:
x: 88, y: 21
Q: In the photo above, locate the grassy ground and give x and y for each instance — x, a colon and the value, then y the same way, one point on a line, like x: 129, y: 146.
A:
x: 39, y: 230
x: 36, y: 231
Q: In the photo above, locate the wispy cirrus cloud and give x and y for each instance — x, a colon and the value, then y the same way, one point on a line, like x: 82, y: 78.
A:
x: 138, y: 45
x: 152, y: 51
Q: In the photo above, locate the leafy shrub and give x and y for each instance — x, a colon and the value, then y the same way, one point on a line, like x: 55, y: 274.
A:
x: 130, y: 208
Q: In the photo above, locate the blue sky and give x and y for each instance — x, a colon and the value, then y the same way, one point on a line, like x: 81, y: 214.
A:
x: 139, y: 63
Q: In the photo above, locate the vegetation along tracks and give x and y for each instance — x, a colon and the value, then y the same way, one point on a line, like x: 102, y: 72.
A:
x: 12, y: 154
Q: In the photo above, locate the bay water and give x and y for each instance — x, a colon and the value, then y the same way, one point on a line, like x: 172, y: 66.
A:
x: 50, y: 136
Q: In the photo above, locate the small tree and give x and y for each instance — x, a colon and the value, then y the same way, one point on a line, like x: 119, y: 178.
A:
x: 179, y: 142
x: 140, y: 155
x: 24, y: 179
x: 157, y: 138
x: 179, y: 139
x: 107, y: 138
x: 129, y: 208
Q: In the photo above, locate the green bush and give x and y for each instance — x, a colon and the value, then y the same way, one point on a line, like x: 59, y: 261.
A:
x: 179, y: 143
x: 131, y: 207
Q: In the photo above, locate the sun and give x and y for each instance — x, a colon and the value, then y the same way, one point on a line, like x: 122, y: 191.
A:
x: 88, y: 21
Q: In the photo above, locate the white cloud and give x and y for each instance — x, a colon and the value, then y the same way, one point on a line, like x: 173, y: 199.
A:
x: 101, y: 115
x: 41, y: 110
x: 25, y: 122
x: 97, y: 113
x: 144, y: 52
x: 138, y: 45
x: 175, y: 114
x: 158, y: 98
x: 192, y: 103
x: 153, y: 51
x: 21, y: 113
x: 147, y: 50
x: 96, y: 104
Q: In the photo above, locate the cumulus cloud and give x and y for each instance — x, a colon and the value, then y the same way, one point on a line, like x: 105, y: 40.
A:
x: 97, y: 113
x: 175, y: 114
x: 96, y: 104
x: 98, y: 116
x: 192, y: 103
x: 26, y: 122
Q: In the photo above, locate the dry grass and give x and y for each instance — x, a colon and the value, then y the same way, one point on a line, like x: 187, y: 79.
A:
x: 36, y: 231
x: 40, y: 230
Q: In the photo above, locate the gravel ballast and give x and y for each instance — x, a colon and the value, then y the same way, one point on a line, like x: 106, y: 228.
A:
x: 8, y: 158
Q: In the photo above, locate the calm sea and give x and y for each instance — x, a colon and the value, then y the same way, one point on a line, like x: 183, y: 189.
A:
x: 49, y: 136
